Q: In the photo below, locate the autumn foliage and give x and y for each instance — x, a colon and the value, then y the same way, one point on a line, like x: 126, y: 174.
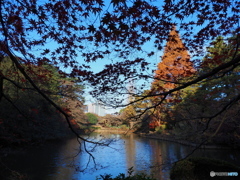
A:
x: 175, y: 63
x: 173, y: 69
x: 124, y: 36
x: 26, y: 117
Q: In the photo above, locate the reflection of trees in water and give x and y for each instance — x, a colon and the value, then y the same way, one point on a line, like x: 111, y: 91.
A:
x: 65, y: 159
x: 157, y: 160
x: 51, y: 161
x: 144, y: 155
x: 44, y: 162
x: 130, y: 149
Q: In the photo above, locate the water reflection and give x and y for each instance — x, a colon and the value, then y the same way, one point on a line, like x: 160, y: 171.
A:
x: 53, y: 161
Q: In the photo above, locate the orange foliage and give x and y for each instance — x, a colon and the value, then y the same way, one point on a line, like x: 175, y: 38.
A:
x: 175, y: 63
x: 153, y: 124
x: 174, y: 67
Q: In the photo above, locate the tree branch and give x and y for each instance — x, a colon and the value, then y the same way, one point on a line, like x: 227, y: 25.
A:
x: 28, y: 78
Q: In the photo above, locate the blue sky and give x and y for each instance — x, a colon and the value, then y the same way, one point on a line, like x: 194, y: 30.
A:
x: 99, y: 65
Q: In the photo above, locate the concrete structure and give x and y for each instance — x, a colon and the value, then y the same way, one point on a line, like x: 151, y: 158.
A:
x: 96, y: 108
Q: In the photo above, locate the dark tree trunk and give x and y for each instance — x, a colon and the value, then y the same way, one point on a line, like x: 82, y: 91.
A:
x: 1, y: 87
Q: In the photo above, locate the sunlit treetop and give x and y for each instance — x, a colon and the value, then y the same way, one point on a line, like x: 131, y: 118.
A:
x: 175, y: 63
x: 72, y: 33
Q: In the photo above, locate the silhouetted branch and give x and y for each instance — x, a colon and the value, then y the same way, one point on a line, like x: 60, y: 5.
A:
x: 10, y: 101
x: 15, y: 60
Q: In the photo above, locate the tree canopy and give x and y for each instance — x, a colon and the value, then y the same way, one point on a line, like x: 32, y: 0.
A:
x: 71, y: 33
x: 25, y: 116
x: 92, y: 118
x: 174, y: 68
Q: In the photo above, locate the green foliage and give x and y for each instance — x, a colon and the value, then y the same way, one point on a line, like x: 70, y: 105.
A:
x: 200, y: 168
x: 122, y: 176
x: 121, y: 111
x: 92, y: 118
x: 25, y: 115
x: 129, y: 113
x: 123, y: 127
x: 209, y: 98
x: 160, y: 129
x: 183, y: 170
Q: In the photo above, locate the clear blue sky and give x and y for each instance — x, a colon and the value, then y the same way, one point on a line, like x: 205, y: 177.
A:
x: 99, y: 65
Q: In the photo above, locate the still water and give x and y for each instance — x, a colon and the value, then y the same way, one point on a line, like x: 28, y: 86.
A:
x: 61, y: 161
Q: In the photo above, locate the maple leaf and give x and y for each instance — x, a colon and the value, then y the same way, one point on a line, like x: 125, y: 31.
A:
x: 106, y: 19
x: 119, y: 32
x: 91, y: 29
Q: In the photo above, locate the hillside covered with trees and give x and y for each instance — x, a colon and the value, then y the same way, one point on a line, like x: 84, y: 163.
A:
x: 198, y: 71
x: 51, y: 50
x: 201, y: 112
x: 25, y: 116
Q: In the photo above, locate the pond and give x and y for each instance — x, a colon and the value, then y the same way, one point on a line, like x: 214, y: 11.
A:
x: 59, y: 160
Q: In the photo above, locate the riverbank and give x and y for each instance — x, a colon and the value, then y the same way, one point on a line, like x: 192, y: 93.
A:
x: 163, y: 136
x: 169, y: 137
x: 113, y: 130
x: 127, y: 151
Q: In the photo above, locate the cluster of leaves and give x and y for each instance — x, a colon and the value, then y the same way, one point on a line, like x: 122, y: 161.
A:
x: 116, y: 26
x: 140, y: 21
x: 130, y: 176
x: 71, y: 91
x: 129, y: 113
x: 174, y: 69
x: 212, y: 106
x: 204, y: 111
x: 120, y: 30
x: 25, y: 115
x: 92, y: 118
x: 124, y: 177
x: 199, y: 168
x: 111, y: 120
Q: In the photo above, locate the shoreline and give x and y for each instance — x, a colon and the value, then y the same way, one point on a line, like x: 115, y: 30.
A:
x: 161, y: 137
x: 109, y: 130
x: 183, y: 142
x: 165, y: 138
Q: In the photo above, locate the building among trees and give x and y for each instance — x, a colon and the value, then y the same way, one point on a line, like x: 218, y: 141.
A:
x: 96, y: 108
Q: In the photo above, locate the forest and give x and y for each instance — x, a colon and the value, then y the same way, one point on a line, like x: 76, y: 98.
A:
x: 203, y: 112
x: 171, y: 66
x: 26, y: 117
